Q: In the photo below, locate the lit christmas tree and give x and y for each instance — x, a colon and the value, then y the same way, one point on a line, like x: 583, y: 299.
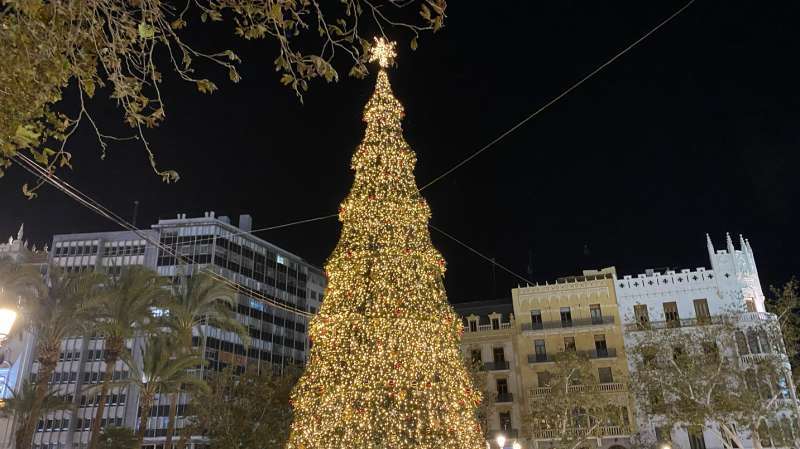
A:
x: 385, y: 370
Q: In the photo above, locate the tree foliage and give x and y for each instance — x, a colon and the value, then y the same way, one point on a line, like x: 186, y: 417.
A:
x: 247, y: 411
x: 784, y: 302
x: 117, y: 438
x: 480, y: 380
x: 124, y: 47
x: 573, y: 409
x: 705, y: 378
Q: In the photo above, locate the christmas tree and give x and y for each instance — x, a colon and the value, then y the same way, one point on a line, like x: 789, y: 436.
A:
x: 385, y: 369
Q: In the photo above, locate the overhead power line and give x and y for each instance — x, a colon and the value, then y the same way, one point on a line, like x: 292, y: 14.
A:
x: 94, y: 205
x: 557, y: 97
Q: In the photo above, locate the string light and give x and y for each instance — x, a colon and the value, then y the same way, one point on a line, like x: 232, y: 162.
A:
x: 385, y: 369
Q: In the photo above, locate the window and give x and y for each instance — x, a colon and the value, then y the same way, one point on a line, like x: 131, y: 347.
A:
x: 543, y: 378
x: 495, y: 323
x: 536, y: 319
x: 600, y: 345
x: 505, y: 421
x: 752, y: 339
x: 499, y: 355
x: 642, y: 316
x: 476, y: 355
x: 473, y: 325
x: 749, y: 304
x: 569, y: 344
x: 605, y: 375
x: 696, y: 440
x: 711, y: 350
x: 540, y: 350
x: 678, y: 354
x: 566, y: 317
x: 671, y: 314
x: 701, y: 311
x: 741, y: 343
x: 596, y: 313
x: 663, y: 433
x: 502, y: 387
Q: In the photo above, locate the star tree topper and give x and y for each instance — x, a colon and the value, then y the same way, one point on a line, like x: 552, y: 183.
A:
x: 383, y: 52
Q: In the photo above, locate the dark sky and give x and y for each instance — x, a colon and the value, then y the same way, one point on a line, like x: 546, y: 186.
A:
x: 696, y: 130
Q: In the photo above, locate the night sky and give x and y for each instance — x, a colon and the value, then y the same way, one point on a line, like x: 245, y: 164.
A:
x: 695, y: 131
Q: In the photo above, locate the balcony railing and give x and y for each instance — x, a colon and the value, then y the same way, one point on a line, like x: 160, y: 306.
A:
x: 504, y: 398
x: 567, y: 324
x: 539, y: 358
x: 496, y: 365
x: 609, y: 387
x: 593, y: 354
x: 488, y: 327
x: 673, y: 324
x: 510, y: 434
x: 600, y: 353
x: 691, y: 322
x: 600, y: 431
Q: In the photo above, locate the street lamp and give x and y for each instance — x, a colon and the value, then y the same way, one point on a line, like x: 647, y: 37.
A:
x: 501, y: 441
x: 7, y: 318
x: 516, y: 445
x: 8, y: 315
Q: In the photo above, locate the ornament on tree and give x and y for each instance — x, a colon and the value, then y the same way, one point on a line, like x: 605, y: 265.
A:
x: 373, y: 356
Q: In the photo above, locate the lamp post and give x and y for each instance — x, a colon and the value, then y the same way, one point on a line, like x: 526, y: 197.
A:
x: 501, y: 441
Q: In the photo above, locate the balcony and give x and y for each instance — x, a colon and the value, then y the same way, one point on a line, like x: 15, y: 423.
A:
x: 488, y: 328
x: 539, y: 358
x: 600, y: 431
x: 673, y: 324
x: 568, y: 324
x: 501, y: 365
x: 504, y: 398
x: 510, y: 434
x: 606, y: 353
x: 610, y: 387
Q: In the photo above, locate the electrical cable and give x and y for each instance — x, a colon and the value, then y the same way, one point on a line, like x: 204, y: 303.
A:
x: 33, y: 168
x: 558, y: 97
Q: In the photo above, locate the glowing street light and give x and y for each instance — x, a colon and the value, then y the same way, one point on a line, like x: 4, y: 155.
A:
x: 516, y: 445
x: 501, y: 441
x: 7, y: 318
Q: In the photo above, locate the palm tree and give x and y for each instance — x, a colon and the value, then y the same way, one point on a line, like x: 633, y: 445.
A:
x: 164, y: 370
x: 198, y: 299
x: 52, y: 315
x: 24, y: 406
x: 123, y: 311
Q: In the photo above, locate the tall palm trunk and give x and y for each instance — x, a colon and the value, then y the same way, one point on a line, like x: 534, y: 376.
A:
x: 146, y: 405
x: 113, y: 348
x: 186, y: 342
x: 173, y: 413
x: 48, y: 359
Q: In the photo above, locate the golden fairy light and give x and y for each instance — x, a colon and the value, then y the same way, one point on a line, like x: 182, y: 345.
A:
x: 385, y: 369
x: 383, y: 52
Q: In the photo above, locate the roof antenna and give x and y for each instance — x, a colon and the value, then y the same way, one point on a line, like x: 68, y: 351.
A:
x: 135, y: 212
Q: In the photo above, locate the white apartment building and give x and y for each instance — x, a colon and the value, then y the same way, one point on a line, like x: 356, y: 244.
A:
x: 261, y: 269
x: 659, y: 299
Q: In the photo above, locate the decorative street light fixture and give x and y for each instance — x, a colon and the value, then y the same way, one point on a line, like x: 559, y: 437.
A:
x: 516, y: 445
x: 501, y: 441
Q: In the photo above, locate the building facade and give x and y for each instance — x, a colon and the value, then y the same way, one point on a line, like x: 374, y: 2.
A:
x: 575, y: 314
x: 670, y: 300
x: 16, y: 352
x: 278, y: 336
x: 488, y: 340
x: 599, y: 315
